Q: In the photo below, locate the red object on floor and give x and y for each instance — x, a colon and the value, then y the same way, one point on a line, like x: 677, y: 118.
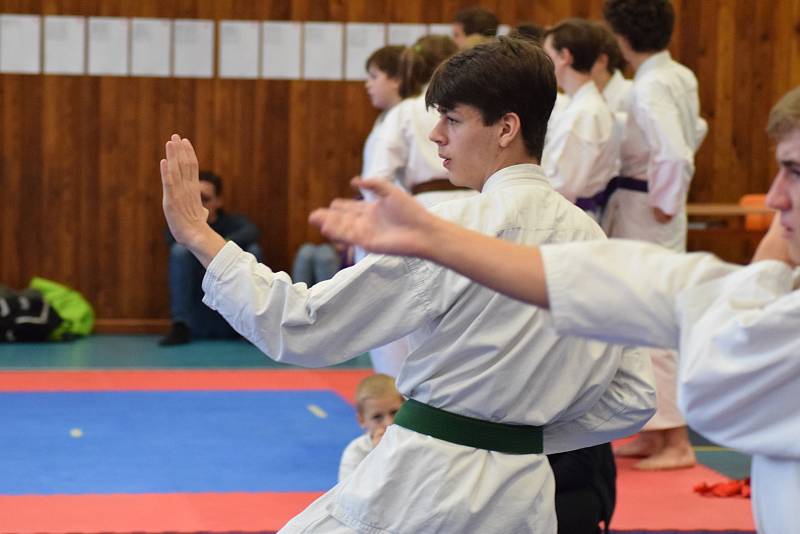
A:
x: 729, y: 488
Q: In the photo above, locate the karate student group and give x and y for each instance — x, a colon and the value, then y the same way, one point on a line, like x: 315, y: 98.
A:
x: 515, y: 329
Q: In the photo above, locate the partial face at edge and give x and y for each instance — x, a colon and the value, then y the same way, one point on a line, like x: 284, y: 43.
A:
x: 459, y: 37
x: 378, y: 412
x: 784, y: 194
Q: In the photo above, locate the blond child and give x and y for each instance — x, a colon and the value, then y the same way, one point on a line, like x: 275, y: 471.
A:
x: 377, y: 402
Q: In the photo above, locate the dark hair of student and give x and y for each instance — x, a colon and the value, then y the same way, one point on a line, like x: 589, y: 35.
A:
x: 213, y: 179
x: 609, y: 47
x: 528, y: 88
x: 528, y: 31
x: 646, y: 24
x: 417, y: 62
x: 477, y: 21
x: 386, y: 60
x: 581, y: 38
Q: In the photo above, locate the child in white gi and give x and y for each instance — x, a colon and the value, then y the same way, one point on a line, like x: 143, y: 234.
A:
x: 736, y: 327
x: 662, y: 134
x: 377, y: 402
x: 581, y: 153
x: 490, y: 388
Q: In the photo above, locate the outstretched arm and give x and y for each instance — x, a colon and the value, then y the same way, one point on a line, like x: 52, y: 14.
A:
x: 397, y: 224
x: 185, y: 214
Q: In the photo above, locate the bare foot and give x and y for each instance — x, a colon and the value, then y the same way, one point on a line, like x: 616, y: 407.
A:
x: 668, y: 458
x: 646, y: 444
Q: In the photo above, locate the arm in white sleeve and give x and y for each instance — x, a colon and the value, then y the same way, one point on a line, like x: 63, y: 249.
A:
x: 626, y: 405
x: 671, y: 163
x: 622, y: 291
x: 739, y: 375
x: 378, y: 300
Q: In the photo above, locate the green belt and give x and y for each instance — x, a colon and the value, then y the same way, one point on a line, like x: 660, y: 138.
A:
x: 500, y: 437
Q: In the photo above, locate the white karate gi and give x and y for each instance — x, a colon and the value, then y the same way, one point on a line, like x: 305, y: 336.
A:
x: 736, y: 330
x: 617, y: 93
x: 474, y: 352
x: 663, y: 132
x: 581, y: 152
x: 354, y: 454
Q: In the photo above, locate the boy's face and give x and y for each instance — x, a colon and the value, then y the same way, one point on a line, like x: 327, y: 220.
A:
x: 459, y: 37
x: 383, y: 91
x: 377, y: 413
x: 560, y: 59
x: 784, y: 194
x: 467, y: 147
x: 211, y: 201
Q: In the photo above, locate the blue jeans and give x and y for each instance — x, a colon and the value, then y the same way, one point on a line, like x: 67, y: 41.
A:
x: 186, y: 294
x: 315, y: 263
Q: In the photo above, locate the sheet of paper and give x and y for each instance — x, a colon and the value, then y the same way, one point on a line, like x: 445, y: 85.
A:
x: 281, y: 50
x: 362, y: 40
x: 151, y: 47
x: 440, y: 29
x: 323, y: 50
x: 503, y: 29
x: 194, y: 48
x: 406, y: 34
x: 238, y: 49
x: 19, y: 43
x: 64, y: 45
x: 108, y: 46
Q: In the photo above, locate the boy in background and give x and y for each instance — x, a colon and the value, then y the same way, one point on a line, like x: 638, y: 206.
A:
x: 377, y: 402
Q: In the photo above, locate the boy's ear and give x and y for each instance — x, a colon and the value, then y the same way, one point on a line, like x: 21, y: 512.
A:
x: 510, y: 128
x: 360, y: 418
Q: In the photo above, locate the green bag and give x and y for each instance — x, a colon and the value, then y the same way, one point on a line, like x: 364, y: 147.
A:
x: 75, y: 311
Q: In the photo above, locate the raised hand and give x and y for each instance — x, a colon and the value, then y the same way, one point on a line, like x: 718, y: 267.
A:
x: 394, y: 223
x: 183, y: 209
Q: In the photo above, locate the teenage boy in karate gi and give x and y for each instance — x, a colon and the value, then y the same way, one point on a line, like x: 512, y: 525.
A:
x: 735, y: 327
x: 663, y: 131
x: 581, y: 153
x: 490, y: 387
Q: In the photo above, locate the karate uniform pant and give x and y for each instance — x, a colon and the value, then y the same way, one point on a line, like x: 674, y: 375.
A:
x: 665, y: 368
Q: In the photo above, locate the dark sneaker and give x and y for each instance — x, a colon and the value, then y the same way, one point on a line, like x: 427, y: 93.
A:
x: 179, y: 335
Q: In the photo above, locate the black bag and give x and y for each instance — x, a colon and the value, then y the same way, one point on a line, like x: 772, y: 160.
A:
x: 25, y: 316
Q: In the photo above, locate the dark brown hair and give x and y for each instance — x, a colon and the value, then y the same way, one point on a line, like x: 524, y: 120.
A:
x: 477, y: 21
x: 580, y: 37
x: 609, y: 47
x: 418, y: 62
x: 646, y: 24
x: 386, y: 60
x: 528, y: 86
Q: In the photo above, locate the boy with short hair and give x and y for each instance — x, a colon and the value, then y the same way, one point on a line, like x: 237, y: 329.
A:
x: 490, y: 388
x: 581, y: 154
x: 736, y: 326
x: 474, y: 25
x: 377, y: 402
x: 663, y: 132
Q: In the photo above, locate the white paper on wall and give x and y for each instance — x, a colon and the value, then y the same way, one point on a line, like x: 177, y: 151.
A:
x: 193, y: 48
x: 108, y: 46
x: 361, y: 41
x: 323, y: 50
x: 19, y: 43
x: 238, y: 49
x: 64, y: 45
x: 440, y: 29
x: 503, y: 29
x: 281, y: 50
x: 151, y: 47
x: 406, y: 34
